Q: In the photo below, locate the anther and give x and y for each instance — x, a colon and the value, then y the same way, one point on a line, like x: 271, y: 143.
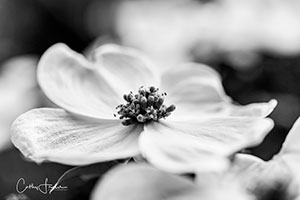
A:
x: 129, y: 97
x: 159, y: 102
x: 152, y: 89
x: 171, y: 108
x: 150, y: 100
x: 125, y: 97
x: 127, y: 122
x: 143, y: 102
x: 140, y: 118
x: 142, y: 91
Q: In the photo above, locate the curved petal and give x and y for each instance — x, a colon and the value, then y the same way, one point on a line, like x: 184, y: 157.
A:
x: 73, y: 83
x: 251, y: 110
x: 146, y: 183
x: 196, y: 90
x: 247, y: 167
x: 195, y: 82
x: 264, y: 179
x: 289, y: 154
x: 192, y: 112
x: 194, y: 146
x: 291, y: 143
x: 124, y: 68
x: 58, y: 136
x: 243, y: 162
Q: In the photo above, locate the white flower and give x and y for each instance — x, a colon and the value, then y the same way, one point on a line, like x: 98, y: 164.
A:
x: 85, y: 131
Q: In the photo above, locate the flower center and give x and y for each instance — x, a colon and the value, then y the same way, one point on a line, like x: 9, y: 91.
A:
x: 145, y: 106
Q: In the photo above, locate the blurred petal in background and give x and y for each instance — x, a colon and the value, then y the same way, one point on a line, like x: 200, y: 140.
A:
x: 18, y: 92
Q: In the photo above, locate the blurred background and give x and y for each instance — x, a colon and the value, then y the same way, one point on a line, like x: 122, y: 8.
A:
x: 254, y: 44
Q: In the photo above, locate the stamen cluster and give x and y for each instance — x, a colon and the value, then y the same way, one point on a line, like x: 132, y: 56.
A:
x: 145, y: 106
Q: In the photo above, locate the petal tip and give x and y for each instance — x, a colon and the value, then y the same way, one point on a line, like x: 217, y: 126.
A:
x: 244, y: 161
x: 57, y: 53
x: 20, y: 132
x: 270, y: 106
x: 19, y: 139
x: 262, y: 128
x: 110, y: 48
x: 54, y: 50
x: 273, y: 103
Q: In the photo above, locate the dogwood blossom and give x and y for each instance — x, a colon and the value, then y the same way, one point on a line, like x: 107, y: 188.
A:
x: 199, y: 119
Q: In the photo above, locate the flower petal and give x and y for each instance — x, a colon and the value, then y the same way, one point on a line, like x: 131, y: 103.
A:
x: 196, y: 83
x: 289, y: 154
x: 251, y: 110
x: 56, y: 135
x: 291, y: 143
x: 124, y: 68
x: 146, y: 183
x: 243, y: 162
x: 194, y: 146
x: 196, y: 90
x: 264, y: 179
x: 73, y: 83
